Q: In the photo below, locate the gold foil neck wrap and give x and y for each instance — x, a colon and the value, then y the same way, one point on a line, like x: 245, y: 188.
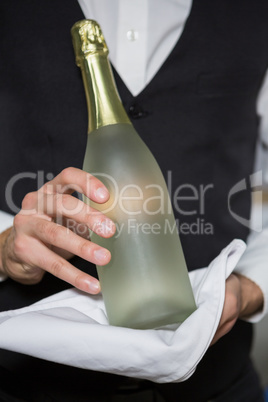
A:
x: 88, y: 39
x: 91, y: 52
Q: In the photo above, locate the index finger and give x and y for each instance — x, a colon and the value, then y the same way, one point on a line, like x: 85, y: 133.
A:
x: 72, y: 179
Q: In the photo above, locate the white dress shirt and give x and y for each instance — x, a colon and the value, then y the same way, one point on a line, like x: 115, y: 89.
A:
x: 146, y: 32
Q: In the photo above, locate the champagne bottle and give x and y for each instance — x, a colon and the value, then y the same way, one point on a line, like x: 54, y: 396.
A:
x: 146, y: 283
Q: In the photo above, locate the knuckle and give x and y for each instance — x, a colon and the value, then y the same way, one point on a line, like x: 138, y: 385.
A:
x: 79, y: 280
x: 90, y: 177
x: 49, y: 231
x: 52, y: 232
x: 84, y: 248
x: 57, y: 200
x: 29, y: 200
x: 34, y: 276
x: 18, y: 220
x: 91, y: 182
x: 19, y: 246
x: 62, y: 201
x: 57, y: 268
x: 37, y: 277
x: 64, y: 204
x: 67, y: 174
x: 41, y: 226
x: 89, y: 220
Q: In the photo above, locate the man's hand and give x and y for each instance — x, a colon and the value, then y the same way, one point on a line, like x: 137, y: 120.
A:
x: 37, y: 243
x: 243, y: 298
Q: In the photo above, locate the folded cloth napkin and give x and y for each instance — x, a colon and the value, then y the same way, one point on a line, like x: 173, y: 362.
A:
x: 71, y: 328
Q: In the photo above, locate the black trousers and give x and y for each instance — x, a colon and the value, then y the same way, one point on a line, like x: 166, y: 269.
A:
x: 245, y: 389
x: 24, y: 386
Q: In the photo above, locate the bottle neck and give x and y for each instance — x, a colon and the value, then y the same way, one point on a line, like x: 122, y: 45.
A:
x: 103, y: 102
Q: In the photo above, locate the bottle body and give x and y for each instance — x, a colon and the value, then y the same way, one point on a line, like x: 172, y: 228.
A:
x: 146, y: 283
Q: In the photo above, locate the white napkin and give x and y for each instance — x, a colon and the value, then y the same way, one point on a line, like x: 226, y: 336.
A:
x: 71, y: 328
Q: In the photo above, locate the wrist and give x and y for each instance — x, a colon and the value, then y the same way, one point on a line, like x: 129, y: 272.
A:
x: 3, y: 240
x: 252, y: 299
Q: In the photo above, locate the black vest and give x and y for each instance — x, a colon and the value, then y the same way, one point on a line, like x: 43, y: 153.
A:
x: 197, y: 115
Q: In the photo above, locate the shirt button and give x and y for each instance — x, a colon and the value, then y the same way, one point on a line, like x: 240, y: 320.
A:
x: 132, y: 35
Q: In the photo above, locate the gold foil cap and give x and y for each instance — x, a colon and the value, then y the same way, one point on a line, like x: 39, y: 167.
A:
x: 88, y: 40
x: 91, y: 53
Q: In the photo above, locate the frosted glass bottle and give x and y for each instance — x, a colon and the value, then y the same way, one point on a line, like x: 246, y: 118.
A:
x: 146, y: 283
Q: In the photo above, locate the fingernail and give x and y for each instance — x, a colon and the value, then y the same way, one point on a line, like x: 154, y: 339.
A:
x: 102, y: 193
x: 101, y: 255
x: 107, y: 227
x: 93, y: 286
